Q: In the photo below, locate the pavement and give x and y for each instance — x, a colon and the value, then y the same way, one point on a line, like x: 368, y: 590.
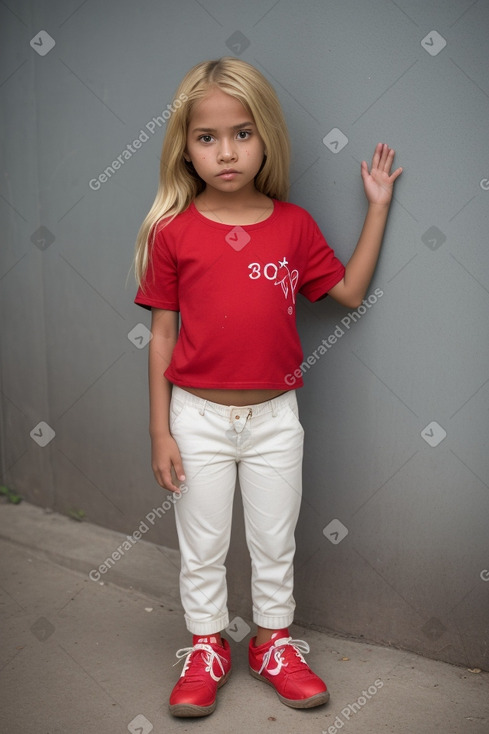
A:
x: 85, y: 652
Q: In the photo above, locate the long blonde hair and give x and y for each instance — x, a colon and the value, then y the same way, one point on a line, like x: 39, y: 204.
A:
x: 179, y: 184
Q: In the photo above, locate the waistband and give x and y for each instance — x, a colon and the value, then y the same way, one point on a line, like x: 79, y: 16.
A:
x: 272, y: 406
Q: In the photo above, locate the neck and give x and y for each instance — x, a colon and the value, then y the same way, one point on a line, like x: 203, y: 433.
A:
x: 232, y: 201
x: 235, y: 210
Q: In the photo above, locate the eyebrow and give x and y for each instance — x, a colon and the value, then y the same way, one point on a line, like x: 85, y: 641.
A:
x: 212, y: 130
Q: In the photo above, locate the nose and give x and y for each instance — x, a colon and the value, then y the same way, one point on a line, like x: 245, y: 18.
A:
x: 227, y: 151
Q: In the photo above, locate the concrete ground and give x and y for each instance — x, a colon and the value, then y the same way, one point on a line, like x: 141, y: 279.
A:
x: 82, y: 656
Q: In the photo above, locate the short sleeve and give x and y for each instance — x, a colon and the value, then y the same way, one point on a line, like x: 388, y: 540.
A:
x: 324, y: 270
x: 159, y: 289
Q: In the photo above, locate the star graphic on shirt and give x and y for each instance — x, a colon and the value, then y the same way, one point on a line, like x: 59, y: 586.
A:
x: 283, y: 263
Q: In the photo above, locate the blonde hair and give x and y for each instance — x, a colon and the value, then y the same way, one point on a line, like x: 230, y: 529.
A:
x: 179, y: 184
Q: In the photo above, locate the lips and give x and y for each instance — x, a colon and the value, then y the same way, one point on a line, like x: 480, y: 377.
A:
x: 227, y: 171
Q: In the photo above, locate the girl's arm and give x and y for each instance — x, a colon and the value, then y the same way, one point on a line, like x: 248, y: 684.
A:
x: 378, y: 185
x: 164, y: 450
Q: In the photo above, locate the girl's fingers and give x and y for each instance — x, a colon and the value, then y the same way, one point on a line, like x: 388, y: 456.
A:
x: 386, y: 157
x: 376, y: 156
x: 396, y: 173
x: 383, y: 154
x: 382, y: 160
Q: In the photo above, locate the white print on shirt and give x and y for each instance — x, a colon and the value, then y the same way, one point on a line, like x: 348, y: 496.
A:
x: 288, y: 279
x: 280, y: 275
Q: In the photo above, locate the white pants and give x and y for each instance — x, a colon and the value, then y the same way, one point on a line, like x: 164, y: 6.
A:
x: 262, y: 444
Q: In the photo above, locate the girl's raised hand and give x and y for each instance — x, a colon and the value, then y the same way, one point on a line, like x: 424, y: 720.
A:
x: 379, y: 182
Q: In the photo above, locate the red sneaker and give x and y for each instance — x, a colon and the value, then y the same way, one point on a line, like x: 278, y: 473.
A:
x: 207, y: 667
x: 279, y: 663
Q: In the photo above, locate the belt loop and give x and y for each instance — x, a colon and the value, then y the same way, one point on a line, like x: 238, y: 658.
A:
x: 274, y: 408
x: 202, y: 407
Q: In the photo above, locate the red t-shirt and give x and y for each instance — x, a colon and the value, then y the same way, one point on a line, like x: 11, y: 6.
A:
x: 236, y: 290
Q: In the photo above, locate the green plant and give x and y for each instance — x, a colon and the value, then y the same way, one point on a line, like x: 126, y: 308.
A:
x: 11, y: 495
x: 78, y: 515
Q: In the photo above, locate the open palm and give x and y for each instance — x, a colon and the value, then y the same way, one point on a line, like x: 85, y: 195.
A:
x: 379, y: 181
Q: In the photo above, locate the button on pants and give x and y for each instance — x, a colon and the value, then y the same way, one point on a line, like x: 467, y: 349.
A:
x: 262, y: 445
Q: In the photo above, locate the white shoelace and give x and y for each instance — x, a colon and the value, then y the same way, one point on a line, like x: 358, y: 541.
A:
x: 209, y: 655
x: 276, y: 650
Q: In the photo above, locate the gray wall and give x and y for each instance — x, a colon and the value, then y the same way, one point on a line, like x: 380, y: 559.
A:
x: 412, y: 569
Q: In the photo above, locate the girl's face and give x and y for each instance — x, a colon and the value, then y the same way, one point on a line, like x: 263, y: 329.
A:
x: 223, y: 143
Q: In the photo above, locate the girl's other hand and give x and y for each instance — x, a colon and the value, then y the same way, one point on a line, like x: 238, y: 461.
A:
x: 379, y: 182
x: 165, y: 455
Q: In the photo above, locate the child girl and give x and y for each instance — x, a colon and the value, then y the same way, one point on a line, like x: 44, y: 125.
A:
x: 222, y: 247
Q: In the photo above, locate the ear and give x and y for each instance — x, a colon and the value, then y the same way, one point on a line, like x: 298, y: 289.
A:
x: 186, y: 156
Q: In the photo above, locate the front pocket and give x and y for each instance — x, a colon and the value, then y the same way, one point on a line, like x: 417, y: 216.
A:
x: 176, y: 410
